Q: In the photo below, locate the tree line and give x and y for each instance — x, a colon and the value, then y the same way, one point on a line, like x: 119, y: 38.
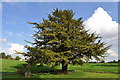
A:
x: 112, y: 61
x: 5, y: 56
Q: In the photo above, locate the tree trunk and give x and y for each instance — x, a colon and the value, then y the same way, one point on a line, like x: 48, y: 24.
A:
x: 64, y: 67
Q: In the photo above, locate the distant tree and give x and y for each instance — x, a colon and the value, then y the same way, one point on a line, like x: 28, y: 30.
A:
x: 12, y: 58
x: 102, y: 62
x: 93, y: 62
x: 114, y: 61
x: 62, y: 39
x: 8, y: 57
x: 2, y: 55
x: 119, y: 60
x: 17, y: 58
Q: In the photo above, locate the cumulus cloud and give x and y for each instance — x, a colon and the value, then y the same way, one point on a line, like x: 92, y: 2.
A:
x: 2, y: 40
x: 102, y: 23
x: 10, y: 48
x: 15, y: 47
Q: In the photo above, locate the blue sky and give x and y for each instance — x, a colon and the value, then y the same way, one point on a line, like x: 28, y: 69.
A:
x: 15, y: 16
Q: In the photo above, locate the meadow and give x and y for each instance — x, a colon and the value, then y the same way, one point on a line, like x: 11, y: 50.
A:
x: 88, y: 70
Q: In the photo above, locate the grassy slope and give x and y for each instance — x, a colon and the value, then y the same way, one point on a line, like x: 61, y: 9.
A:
x: 9, y: 65
x: 81, y: 71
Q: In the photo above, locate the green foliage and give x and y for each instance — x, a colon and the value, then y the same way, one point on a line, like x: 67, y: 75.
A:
x: 17, y: 58
x: 4, y: 56
x: 8, y: 57
x: 63, y: 39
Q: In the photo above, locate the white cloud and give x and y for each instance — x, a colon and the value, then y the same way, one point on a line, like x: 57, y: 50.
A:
x: 10, y: 48
x: 15, y: 47
x: 112, y: 53
x: 2, y: 40
x: 102, y: 23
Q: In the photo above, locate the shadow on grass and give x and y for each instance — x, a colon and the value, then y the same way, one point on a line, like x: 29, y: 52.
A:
x: 40, y: 69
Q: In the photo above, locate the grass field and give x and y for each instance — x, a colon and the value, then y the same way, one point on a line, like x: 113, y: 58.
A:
x: 88, y: 70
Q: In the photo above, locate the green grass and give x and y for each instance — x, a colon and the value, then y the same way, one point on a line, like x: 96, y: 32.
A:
x: 88, y: 70
x: 96, y: 67
x: 9, y: 65
x: 78, y: 75
x: 70, y: 75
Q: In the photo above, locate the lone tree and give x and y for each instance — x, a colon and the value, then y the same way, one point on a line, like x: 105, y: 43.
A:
x: 62, y: 39
x: 17, y: 58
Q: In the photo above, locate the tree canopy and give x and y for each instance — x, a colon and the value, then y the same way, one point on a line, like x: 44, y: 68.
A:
x: 62, y: 39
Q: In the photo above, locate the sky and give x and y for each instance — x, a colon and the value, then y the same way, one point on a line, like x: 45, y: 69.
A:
x: 101, y: 17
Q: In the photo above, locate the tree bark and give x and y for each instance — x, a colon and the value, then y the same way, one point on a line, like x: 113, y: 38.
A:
x: 64, y: 67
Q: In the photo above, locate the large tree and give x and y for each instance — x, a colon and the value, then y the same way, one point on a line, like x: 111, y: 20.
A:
x: 62, y: 39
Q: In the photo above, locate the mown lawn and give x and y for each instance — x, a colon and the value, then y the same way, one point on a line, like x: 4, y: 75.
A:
x: 70, y: 75
x: 88, y: 70
x: 96, y: 67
